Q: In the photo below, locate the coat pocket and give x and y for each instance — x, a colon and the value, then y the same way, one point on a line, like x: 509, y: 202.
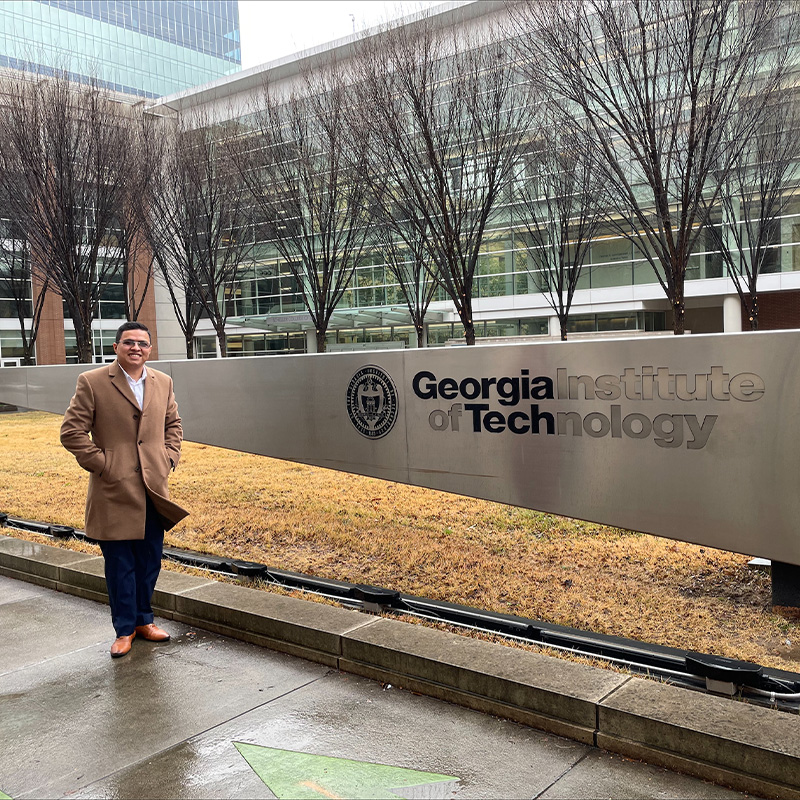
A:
x: 108, y: 470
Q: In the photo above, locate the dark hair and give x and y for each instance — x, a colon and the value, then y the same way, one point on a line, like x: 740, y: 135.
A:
x: 131, y: 326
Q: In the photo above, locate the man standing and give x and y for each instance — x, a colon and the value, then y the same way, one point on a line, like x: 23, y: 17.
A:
x: 122, y: 426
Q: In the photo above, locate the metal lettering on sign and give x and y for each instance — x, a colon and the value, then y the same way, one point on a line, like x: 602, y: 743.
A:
x: 692, y: 437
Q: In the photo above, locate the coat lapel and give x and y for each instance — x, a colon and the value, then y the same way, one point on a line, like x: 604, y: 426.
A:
x: 149, y: 389
x: 120, y: 382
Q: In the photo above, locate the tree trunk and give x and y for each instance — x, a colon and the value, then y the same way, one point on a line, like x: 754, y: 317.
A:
x: 678, y: 313
x: 322, y: 340
x: 28, y: 348
x: 190, y: 347
x: 562, y: 321
x: 469, y: 333
x: 126, y: 294
x: 754, y: 313
x: 465, y: 313
x: 83, y: 339
x: 222, y: 338
x: 420, y: 329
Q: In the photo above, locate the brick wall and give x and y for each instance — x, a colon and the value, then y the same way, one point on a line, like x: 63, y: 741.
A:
x: 50, y: 339
x: 140, y: 284
x: 776, y: 311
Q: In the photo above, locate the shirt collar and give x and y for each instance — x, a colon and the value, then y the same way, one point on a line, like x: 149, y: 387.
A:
x: 130, y: 379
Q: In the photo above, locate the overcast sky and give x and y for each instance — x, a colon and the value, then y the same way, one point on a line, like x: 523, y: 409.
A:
x: 274, y: 28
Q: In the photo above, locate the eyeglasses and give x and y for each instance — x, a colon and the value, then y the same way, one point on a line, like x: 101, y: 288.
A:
x: 131, y: 342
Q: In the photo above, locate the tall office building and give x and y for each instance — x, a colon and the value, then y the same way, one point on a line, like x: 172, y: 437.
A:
x: 142, y: 48
x: 148, y: 48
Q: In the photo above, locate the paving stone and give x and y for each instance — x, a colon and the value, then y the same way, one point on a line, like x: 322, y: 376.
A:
x: 12, y: 591
x: 88, y: 575
x: 171, y: 584
x: 59, y: 644
x: 43, y: 624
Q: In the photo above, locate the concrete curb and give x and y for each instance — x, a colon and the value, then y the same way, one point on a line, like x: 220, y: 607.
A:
x: 748, y: 748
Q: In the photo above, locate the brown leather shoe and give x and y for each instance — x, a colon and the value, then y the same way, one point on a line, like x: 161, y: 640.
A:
x: 152, y: 633
x: 122, y: 645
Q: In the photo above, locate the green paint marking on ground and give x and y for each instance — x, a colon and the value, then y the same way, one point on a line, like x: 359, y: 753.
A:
x: 303, y: 776
x: 4, y: 796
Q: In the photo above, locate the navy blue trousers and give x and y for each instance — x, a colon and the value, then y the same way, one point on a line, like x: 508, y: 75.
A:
x: 132, y: 567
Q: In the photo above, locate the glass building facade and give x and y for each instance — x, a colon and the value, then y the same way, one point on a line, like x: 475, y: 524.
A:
x: 503, y: 282
x: 148, y: 48
x: 618, y: 291
x: 142, y: 48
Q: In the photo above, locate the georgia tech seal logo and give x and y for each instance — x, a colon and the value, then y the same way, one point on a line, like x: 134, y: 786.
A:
x: 372, y: 402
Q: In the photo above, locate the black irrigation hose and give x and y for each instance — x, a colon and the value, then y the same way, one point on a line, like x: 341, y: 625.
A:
x: 693, y: 670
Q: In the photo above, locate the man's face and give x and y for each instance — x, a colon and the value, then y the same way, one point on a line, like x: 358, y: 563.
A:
x: 132, y: 350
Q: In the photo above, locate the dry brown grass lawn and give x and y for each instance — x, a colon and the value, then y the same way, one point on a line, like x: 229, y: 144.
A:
x: 429, y: 543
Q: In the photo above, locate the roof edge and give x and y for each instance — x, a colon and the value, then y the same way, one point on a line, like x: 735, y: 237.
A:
x: 253, y: 77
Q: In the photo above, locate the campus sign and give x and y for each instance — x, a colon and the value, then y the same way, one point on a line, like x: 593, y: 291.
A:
x: 694, y: 438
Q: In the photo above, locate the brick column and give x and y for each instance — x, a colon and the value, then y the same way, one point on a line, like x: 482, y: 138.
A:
x: 50, y: 348
x: 139, y: 287
x: 777, y: 311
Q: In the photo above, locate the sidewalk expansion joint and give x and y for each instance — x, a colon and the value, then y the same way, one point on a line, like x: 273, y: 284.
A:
x: 559, y: 777
x: 98, y: 643
x: 600, y: 702
x: 608, y: 694
x: 369, y: 619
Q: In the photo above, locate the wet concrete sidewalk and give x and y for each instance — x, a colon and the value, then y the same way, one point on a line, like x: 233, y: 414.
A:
x: 163, y: 721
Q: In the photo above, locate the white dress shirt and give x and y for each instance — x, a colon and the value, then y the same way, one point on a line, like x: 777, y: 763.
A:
x: 137, y: 387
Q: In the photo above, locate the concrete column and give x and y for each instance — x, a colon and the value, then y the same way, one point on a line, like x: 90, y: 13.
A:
x: 311, y: 341
x: 554, y: 328
x: 171, y: 343
x: 732, y: 314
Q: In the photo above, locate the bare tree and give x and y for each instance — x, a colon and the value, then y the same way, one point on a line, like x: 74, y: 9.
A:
x: 16, y: 284
x: 305, y: 166
x: 168, y: 230
x: 223, y: 236
x: 199, y: 226
x: 168, y: 222
x: 138, y: 257
x: 560, y: 192
x: 753, y: 196
x: 67, y: 146
x: 450, y: 118
x: 671, y: 91
x: 402, y: 244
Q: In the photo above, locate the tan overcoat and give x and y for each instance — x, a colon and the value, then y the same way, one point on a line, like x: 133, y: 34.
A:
x: 127, y: 451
